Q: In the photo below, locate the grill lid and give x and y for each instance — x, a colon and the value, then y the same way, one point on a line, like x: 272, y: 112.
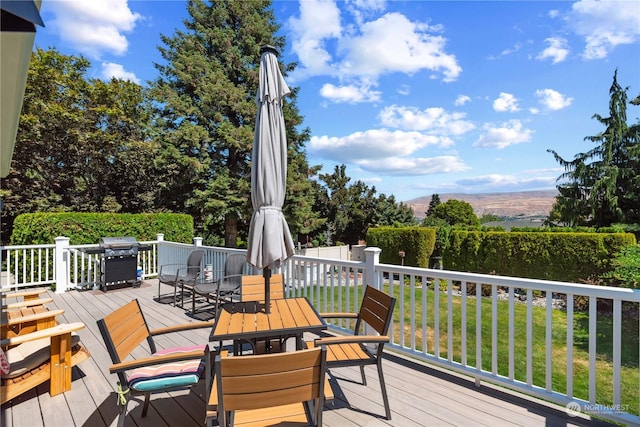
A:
x: 118, y: 242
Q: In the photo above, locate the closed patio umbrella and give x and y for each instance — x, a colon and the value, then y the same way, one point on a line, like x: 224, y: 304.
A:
x: 270, y: 241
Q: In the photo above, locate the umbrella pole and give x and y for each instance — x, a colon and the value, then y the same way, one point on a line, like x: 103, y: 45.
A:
x: 266, y: 273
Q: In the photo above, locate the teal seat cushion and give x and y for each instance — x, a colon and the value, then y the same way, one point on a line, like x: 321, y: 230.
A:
x: 168, y: 375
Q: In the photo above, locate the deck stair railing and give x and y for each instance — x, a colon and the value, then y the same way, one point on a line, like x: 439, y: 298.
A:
x: 490, y: 328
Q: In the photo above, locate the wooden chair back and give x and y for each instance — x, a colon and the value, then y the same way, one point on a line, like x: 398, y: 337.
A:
x: 253, y: 287
x: 376, y: 310
x: 123, y: 330
x: 271, y: 380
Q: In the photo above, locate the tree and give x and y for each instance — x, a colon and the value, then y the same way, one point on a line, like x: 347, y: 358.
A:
x: 456, y: 213
x: 602, y: 183
x: 206, y: 96
x: 352, y: 209
x: 82, y: 144
x: 435, y: 201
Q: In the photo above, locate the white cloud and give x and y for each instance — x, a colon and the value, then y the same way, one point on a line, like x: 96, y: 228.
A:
x: 557, y: 50
x: 516, y: 47
x: 111, y: 70
x: 366, y: 49
x: 433, y: 120
x: 552, y: 99
x: 509, y: 133
x: 414, y: 166
x: 372, y: 144
x: 350, y: 94
x: 605, y: 25
x: 94, y: 27
x: 461, y: 100
x: 318, y: 20
x: 393, y: 43
x: 499, y: 182
x: 505, y: 102
x: 404, y: 90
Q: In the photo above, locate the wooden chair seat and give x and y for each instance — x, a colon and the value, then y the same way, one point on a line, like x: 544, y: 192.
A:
x: 348, y: 353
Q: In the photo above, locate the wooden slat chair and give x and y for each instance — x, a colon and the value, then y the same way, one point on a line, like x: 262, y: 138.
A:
x: 268, y: 390
x: 33, y: 299
x: 376, y: 311
x: 37, y: 348
x: 169, y: 369
x: 252, y: 289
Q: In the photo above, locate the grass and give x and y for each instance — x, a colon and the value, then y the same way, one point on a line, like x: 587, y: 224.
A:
x: 630, y: 369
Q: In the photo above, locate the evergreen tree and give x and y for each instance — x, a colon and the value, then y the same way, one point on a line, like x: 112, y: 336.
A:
x: 602, y: 183
x: 435, y: 201
x: 206, y: 94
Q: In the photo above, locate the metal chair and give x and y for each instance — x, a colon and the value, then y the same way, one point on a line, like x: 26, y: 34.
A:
x: 376, y: 311
x: 230, y: 284
x: 227, y: 286
x: 179, y: 275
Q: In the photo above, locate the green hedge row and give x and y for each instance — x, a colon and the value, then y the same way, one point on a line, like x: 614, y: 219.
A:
x: 567, y: 257
x: 87, y: 228
x: 417, y: 243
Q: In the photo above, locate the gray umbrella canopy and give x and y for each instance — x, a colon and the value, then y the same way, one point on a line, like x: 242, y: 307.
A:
x: 270, y: 241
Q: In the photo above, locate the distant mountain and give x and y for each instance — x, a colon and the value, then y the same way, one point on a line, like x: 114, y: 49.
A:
x: 516, y: 204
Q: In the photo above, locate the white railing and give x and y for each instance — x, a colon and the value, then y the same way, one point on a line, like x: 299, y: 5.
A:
x: 430, y: 302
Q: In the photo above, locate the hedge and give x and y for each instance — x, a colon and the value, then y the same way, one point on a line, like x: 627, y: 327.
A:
x: 416, y: 242
x: 568, y: 257
x: 88, y: 228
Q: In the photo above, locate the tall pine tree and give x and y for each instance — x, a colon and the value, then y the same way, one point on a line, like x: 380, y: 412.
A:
x: 602, y: 183
x: 206, y: 96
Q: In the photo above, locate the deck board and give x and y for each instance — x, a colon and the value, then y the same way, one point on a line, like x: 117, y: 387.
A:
x: 420, y: 395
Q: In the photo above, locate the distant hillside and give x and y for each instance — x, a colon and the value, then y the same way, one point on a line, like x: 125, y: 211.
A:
x: 516, y: 204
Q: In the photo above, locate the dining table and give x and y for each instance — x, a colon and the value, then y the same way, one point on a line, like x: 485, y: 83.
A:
x: 248, y: 320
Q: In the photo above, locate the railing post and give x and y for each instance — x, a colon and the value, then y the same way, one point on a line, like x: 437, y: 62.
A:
x: 372, y: 258
x: 197, y: 241
x: 161, y: 255
x: 61, y: 266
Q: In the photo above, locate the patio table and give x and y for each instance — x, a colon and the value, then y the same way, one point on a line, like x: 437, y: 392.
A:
x: 241, y: 321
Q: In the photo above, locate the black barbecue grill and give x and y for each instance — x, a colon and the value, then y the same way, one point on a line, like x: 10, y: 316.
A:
x: 119, y: 261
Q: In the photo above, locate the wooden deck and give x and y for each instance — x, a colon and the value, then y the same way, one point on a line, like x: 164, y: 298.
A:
x: 420, y: 395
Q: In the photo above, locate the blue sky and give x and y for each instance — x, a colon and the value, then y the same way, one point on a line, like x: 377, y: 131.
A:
x: 415, y: 97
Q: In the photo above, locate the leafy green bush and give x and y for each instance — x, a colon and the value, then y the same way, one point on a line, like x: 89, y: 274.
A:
x: 87, y: 228
x: 417, y: 243
x: 626, y: 268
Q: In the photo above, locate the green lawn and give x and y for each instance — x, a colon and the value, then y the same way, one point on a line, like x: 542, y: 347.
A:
x: 630, y: 375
